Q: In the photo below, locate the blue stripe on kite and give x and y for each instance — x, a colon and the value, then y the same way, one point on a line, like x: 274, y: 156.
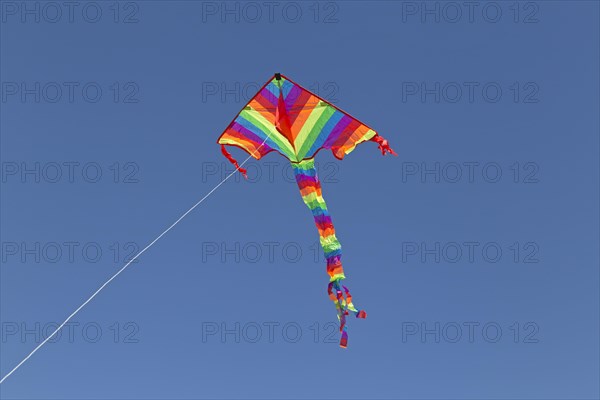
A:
x: 274, y: 89
x: 258, y: 132
x: 287, y: 88
x: 247, y: 134
x: 306, y: 172
x: 318, y: 212
x: 333, y: 253
x: 338, y: 130
x: 324, y: 134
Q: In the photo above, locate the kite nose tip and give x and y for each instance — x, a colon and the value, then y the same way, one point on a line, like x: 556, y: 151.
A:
x: 277, y: 76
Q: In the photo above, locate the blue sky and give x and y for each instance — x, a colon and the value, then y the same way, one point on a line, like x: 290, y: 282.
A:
x: 475, y: 252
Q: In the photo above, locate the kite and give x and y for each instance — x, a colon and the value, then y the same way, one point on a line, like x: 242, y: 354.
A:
x: 286, y: 118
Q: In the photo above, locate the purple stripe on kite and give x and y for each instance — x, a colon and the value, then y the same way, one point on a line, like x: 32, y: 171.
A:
x: 248, y: 134
x: 307, y: 179
x: 292, y: 96
x: 335, y: 133
x: 334, y: 259
x: 323, y: 219
x: 311, y: 176
x: 251, y: 136
x: 269, y: 96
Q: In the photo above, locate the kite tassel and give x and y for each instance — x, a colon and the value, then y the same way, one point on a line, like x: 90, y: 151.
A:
x: 384, y: 145
x: 343, y: 303
x: 234, y: 162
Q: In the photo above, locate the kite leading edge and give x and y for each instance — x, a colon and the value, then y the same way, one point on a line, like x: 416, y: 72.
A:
x: 286, y: 118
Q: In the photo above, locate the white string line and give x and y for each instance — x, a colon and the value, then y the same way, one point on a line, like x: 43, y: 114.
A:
x: 130, y: 261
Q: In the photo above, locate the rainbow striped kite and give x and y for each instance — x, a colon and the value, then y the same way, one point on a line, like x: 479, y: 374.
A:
x: 286, y: 118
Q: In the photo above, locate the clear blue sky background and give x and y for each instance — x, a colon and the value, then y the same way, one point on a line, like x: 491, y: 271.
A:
x: 507, y: 88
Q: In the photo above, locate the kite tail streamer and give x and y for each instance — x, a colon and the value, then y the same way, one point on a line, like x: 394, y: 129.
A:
x: 233, y: 161
x: 384, y: 146
x: 310, y: 189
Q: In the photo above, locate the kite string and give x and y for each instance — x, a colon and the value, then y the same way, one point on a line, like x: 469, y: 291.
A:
x: 128, y: 263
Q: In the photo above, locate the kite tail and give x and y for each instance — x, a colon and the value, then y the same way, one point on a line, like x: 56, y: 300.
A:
x: 384, y: 146
x: 310, y: 189
x: 234, y: 162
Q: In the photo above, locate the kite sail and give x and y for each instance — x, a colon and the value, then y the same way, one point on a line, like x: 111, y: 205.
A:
x: 286, y: 118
